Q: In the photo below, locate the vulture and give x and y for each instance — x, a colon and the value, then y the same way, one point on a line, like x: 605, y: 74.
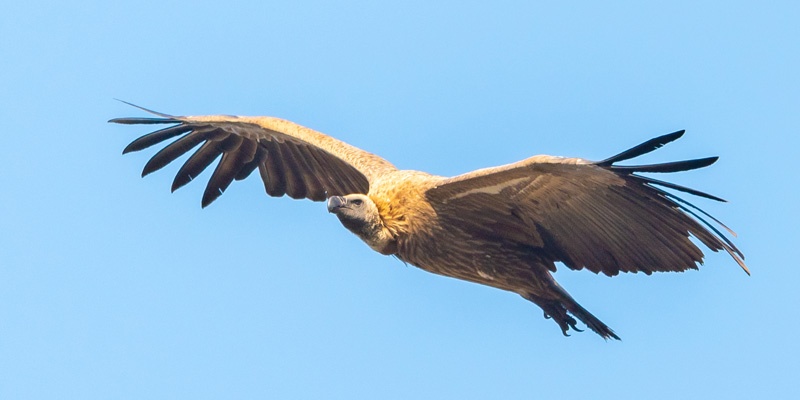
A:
x: 504, y: 227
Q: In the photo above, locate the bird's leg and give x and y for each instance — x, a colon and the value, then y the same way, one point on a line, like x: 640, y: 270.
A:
x: 556, y: 303
x: 555, y: 310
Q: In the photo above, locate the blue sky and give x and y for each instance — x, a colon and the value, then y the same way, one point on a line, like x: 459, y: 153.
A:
x: 111, y: 287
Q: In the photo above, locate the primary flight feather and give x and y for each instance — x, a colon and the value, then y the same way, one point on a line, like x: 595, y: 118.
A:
x: 504, y: 227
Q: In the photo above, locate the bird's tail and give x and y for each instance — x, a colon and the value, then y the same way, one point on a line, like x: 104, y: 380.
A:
x: 557, y: 306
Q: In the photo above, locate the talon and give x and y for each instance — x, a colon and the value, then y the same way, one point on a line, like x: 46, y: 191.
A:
x: 574, y: 324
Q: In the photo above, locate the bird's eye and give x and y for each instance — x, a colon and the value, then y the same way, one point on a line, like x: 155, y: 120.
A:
x: 357, y: 202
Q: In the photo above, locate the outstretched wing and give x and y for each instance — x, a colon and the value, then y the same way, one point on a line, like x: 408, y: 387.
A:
x: 292, y: 159
x: 593, y: 215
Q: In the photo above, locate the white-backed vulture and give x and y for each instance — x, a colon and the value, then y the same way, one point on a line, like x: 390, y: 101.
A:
x: 504, y: 227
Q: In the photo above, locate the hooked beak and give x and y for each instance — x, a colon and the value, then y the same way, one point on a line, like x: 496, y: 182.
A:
x: 335, y: 203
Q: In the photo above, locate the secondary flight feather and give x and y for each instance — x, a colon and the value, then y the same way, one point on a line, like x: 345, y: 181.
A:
x: 504, y: 227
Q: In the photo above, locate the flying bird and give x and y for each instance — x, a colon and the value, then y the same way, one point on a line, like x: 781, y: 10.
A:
x: 504, y: 227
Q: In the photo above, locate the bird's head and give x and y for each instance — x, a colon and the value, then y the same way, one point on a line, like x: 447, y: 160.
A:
x: 359, y: 214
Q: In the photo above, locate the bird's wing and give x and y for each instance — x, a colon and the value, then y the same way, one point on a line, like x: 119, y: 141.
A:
x: 593, y: 215
x: 292, y: 159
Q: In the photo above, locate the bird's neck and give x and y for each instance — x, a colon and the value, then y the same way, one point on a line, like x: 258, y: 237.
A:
x: 382, y: 241
x: 392, y: 226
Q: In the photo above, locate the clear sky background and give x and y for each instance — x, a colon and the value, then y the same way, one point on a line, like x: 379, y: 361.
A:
x: 113, y: 288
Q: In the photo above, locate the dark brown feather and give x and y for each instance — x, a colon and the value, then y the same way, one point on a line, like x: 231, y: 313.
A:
x: 143, y: 121
x: 643, y: 148
x: 196, y: 164
x: 314, y: 190
x: 250, y: 166
x: 171, y: 152
x: 236, y: 152
x: 272, y: 170
x: 156, y: 137
x: 678, y: 187
x: 295, y: 187
x: 676, y: 166
x: 325, y: 176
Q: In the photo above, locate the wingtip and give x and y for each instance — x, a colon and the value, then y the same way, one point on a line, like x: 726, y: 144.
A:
x: 145, y: 121
x: 746, y: 270
x: 208, y: 198
x: 671, y: 137
x: 744, y: 267
x: 643, y: 148
x: 144, y: 109
x: 126, y: 121
x: 177, y: 185
x: 149, y: 168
